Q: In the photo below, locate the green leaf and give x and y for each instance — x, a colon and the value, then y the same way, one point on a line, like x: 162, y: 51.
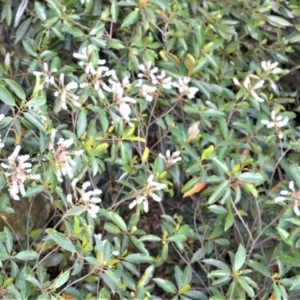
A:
x: 9, y: 240
x: 288, y: 260
x: 296, y: 283
x: 278, y: 21
x: 150, y: 238
x: 220, y: 164
x: 177, y: 238
x: 40, y: 11
x: 131, y: 18
x: 29, y: 47
x: 6, y: 96
x: 22, y: 29
x: 218, y: 193
x: 229, y: 221
x: 259, y: 267
x: 81, y: 122
x: 166, y: 285
x: 27, y: 255
x: 34, y: 190
x: 139, y: 258
x: 199, y: 254
x: 118, y: 221
x: 16, y: 88
x: 33, y: 281
x: 36, y: 102
x: 111, y: 228
x: 240, y: 258
x: 60, y: 280
x: 146, y: 277
x: 207, y: 152
x: 33, y: 119
x: 61, y: 240
x: 74, y: 31
x: 4, y: 122
x: 246, y: 287
x: 217, y: 263
x: 251, y: 177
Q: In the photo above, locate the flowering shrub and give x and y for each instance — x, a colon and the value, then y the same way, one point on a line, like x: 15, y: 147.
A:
x: 163, y: 136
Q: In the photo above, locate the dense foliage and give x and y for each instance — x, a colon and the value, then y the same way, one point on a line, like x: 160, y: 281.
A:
x: 149, y: 149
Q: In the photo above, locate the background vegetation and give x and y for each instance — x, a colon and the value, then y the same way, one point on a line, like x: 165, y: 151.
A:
x: 149, y: 149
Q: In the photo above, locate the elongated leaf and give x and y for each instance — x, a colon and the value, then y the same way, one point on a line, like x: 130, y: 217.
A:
x: 139, y: 258
x: 166, y: 285
x: 220, y: 164
x: 81, y: 122
x: 6, y: 96
x: 217, y: 263
x: 37, y: 101
x: 61, y: 240
x: 27, y: 255
x: 259, y: 267
x: 16, y: 88
x: 251, y: 177
x: 218, y: 193
x: 131, y: 18
x: 33, y: 119
x: 240, y: 258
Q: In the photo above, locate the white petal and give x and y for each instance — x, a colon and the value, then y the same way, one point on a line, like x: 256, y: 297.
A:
x: 279, y: 199
x: 292, y: 186
x: 155, y: 197
x: 296, y: 210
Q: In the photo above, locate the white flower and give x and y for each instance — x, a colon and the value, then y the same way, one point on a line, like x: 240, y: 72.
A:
x: 235, y: 81
x: 85, y: 52
x: 146, y: 91
x: 252, y: 89
x: 48, y: 77
x: 87, y: 199
x: 184, y: 89
x: 150, y: 189
x: 165, y: 82
x: 2, y: 116
x: 171, y: 159
x: 17, y: 171
x: 62, y: 157
x: 147, y: 70
x: 270, y: 67
x: 64, y: 92
x: 293, y: 196
x: 276, y: 122
x: 1, y: 143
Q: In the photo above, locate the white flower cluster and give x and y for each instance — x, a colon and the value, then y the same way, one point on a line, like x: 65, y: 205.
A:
x: 123, y: 101
x: 48, y: 78
x: 269, y: 67
x: 63, y: 156
x: 293, y: 196
x: 86, y: 198
x: 95, y: 77
x: 17, y: 172
x: 276, y: 122
x: 171, y: 159
x: 150, y: 190
x: 64, y: 92
x: 252, y: 89
x: 151, y: 74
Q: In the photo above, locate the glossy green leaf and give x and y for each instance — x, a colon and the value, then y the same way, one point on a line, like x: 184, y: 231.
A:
x: 61, y: 240
x: 166, y: 285
x: 240, y: 258
x: 6, y: 96
x: 27, y: 255
x: 131, y: 18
